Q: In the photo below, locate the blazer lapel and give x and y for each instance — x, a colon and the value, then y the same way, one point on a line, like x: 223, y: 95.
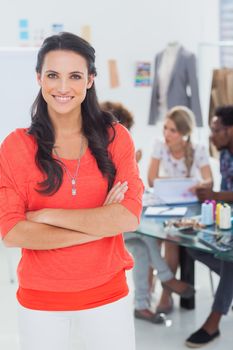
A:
x: 159, y: 59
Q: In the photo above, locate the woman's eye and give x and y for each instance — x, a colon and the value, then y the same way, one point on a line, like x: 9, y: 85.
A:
x: 52, y: 76
x: 75, y: 76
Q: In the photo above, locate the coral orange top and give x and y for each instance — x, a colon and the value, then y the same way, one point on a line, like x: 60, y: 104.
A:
x: 81, y: 276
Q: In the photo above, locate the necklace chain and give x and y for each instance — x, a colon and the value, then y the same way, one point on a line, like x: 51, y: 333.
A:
x: 73, y: 178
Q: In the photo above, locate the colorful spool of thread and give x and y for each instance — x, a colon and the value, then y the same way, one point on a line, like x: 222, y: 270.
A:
x: 225, y: 217
x: 217, y: 216
x: 207, y: 217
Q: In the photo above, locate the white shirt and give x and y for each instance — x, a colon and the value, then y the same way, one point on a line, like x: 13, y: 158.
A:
x: 172, y: 167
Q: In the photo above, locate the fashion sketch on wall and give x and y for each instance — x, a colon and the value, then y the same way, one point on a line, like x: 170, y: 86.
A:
x: 175, y: 83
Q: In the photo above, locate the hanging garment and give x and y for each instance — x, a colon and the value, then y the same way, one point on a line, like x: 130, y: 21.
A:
x: 182, y: 88
x: 221, y: 94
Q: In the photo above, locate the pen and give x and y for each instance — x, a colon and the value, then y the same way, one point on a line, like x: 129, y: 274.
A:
x: 164, y: 210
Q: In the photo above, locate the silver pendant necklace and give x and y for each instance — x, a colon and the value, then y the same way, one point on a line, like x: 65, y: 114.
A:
x: 73, y: 178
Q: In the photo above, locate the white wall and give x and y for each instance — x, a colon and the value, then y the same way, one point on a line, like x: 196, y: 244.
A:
x: 125, y: 30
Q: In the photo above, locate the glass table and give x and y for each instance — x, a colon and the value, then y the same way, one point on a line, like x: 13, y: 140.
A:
x: 154, y: 227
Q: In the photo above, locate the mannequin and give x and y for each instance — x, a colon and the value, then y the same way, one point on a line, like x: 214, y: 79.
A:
x: 175, y: 83
x: 164, y: 75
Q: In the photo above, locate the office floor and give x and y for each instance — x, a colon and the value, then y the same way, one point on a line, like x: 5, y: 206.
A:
x: 148, y: 336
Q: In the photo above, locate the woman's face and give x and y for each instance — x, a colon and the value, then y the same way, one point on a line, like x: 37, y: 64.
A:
x: 64, y: 81
x: 171, y: 135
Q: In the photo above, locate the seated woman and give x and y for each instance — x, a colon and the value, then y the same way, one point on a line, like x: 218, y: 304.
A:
x: 145, y: 249
x: 178, y: 157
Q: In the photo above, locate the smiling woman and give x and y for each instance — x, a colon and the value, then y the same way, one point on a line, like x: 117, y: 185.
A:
x: 67, y: 192
x: 64, y: 80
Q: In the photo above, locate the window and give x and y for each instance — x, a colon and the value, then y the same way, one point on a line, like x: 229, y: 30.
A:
x: 226, y: 32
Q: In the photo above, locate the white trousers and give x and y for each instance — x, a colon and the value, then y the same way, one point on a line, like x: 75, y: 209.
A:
x: 108, y: 327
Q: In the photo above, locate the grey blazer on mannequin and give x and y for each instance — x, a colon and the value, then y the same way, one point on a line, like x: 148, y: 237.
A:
x: 182, y: 89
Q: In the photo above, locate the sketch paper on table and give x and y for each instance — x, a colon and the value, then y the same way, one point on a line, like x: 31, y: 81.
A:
x: 165, y: 211
x: 175, y: 190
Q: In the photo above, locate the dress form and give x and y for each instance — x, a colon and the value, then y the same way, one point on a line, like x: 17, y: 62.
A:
x: 164, y: 75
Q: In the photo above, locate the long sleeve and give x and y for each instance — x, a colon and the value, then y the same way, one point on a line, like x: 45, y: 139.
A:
x: 153, y: 113
x: 123, y: 155
x: 12, y: 196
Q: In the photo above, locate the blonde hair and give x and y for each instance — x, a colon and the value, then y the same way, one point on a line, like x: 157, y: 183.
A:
x: 184, y: 121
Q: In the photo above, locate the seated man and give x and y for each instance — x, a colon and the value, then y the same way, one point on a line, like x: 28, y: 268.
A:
x: 222, y: 138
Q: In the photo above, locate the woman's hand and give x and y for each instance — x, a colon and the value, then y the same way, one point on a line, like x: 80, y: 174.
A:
x: 117, y: 193
x: 193, y: 189
x: 37, y: 216
x: 138, y: 155
x: 199, y: 186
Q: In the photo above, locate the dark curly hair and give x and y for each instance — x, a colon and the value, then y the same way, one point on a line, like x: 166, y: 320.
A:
x: 120, y: 112
x: 225, y: 114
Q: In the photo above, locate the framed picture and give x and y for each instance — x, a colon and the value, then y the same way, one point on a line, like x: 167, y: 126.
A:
x: 143, y: 74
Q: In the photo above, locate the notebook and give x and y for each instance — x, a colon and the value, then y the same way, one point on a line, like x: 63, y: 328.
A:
x: 175, y: 190
x: 165, y: 211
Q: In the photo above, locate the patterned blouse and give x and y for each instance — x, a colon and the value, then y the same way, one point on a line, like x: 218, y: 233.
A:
x: 226, y: 169
x: 172, y: 167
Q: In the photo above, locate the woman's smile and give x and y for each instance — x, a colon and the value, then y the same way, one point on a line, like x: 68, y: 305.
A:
x: 62, y: 99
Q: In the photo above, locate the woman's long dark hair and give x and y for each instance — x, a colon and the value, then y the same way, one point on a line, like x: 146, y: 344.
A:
x: 95, y: 123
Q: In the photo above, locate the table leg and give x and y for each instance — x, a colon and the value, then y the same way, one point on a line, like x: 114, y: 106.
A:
x: 187, y: 274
